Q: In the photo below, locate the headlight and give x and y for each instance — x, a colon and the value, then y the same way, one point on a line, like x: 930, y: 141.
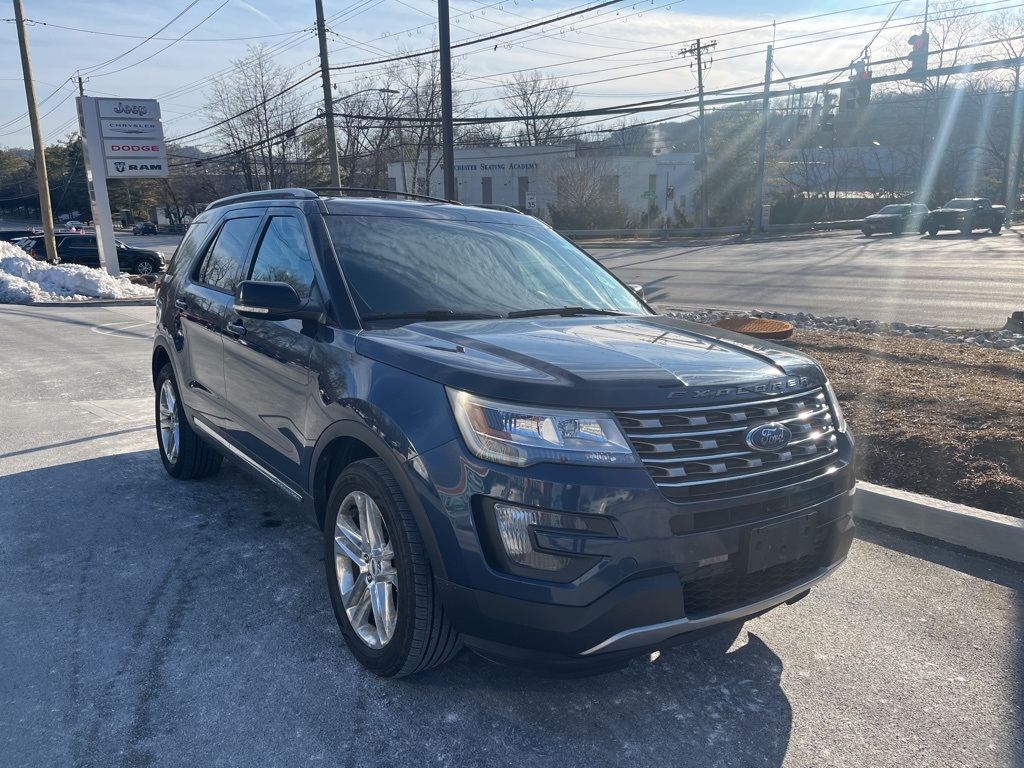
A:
x: 520, y: 435
x: 836, y: 410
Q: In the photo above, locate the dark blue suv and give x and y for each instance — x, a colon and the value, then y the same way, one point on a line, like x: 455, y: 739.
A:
x: 504, y: 446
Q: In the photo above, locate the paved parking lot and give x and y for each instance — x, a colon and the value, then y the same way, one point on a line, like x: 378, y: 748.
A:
x: 145, y: 621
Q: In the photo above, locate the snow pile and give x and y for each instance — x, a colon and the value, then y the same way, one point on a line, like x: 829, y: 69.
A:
x: 24, y: 280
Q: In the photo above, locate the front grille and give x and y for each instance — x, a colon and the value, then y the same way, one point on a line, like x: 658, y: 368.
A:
x: 701, y: 452
x: 716, y: 594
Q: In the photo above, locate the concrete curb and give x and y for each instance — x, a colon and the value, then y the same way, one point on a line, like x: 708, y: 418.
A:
x: 985, y: 532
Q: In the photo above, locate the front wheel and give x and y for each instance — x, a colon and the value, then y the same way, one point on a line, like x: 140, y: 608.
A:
x: 144, y: 267
x: 996, y: 228
x: 380, y: 581
x: 183, y: 453
x: 933, y: 231
x: 866, y: 232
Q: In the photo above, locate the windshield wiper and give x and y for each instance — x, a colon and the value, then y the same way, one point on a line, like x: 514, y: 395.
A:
x: 432, y: 314
x: 564, y: 312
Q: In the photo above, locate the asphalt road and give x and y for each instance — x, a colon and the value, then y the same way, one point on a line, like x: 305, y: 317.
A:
x: 950, y: 280
x: 150, y: 622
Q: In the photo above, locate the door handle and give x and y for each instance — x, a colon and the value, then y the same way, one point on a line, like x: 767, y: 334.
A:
x: 237, y: 328
x: 181, y: 304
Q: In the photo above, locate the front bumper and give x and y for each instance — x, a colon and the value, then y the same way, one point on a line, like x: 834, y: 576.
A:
x: 669, y: 574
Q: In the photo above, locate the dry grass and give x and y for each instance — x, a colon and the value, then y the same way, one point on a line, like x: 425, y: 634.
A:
x: 946, y: 420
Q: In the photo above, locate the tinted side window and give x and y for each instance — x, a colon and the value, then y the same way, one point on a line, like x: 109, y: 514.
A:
x: 186, y: 250
x: 282, y: 256
x: 224, y: 262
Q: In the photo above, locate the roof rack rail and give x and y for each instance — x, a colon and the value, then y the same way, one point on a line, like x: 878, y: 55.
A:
x: 270, y: 194
x: 381, y: 193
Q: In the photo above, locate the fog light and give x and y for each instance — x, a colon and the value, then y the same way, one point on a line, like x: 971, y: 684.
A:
x: 514, y: 525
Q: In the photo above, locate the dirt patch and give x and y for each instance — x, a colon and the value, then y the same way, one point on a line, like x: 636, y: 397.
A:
x: 945, y: 420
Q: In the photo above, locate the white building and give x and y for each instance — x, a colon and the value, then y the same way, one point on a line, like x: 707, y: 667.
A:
x: 529, y: 178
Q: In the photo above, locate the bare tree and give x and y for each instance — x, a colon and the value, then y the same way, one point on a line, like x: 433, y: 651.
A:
x: 538, y: 101
x: 258, y: 122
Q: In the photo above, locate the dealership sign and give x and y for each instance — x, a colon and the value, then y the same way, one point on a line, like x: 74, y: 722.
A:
x: 122, y: 138
x: 132, y: 129
x: 131, y: 138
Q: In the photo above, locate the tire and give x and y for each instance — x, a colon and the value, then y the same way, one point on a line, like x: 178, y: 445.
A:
x: 867, y: 232
x: 144, y: 267
x: 996, y: 228
x: 933, y: 231
x: 184, y: 454
x: 897, y: 230
x: 965, y: 231
x: 380, y: 581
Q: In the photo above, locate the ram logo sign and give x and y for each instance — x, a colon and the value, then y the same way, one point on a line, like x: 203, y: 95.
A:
x: 137, y: 167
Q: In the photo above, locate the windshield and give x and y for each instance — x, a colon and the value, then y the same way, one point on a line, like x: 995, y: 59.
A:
x: 959, y: 204
x: 895, y: 209
x: 406, y: 265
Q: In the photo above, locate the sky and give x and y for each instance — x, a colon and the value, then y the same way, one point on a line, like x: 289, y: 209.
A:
x: 619, y: 54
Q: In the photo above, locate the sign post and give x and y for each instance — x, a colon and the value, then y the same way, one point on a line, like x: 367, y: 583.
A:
x: 121, y: 138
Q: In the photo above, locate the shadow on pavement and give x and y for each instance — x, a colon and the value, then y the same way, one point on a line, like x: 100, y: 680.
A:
x: 149, y: 621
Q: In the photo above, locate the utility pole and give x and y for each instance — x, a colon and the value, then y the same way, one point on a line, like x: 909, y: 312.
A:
x: 1014, y: 153
x: 447, y: 112
x: 43, y: 181
x: 697, y: 50
x: 325, y: 75
x: 763, y: 149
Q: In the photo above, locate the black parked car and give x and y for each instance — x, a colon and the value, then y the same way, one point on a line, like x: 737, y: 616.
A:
x: 145, y: 228
x: 82, y: 249
x: 899, y: 218
x: 503, y: 446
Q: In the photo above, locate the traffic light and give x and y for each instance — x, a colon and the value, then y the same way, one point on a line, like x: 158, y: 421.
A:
x: 918, y: 57
x: 828, y: 112
x: 856, y: 95
x: 670, y: 192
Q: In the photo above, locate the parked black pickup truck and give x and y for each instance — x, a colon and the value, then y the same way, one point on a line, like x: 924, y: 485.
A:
x: 966, y: 214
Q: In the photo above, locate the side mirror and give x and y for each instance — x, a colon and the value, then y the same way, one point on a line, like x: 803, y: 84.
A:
x: 638, y: 290
x: 273, y: 301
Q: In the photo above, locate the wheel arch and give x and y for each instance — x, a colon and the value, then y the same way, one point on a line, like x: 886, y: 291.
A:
x: 346, y: 442
x: 161, y: 357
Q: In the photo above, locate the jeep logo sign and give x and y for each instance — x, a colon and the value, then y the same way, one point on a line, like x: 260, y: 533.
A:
x: 147, y: 108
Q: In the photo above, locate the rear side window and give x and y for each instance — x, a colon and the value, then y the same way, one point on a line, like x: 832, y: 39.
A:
x: 225, y: 260
x: 187, y: 248
x: 282, y: 256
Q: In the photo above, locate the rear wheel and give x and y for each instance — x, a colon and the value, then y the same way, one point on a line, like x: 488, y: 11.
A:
x: 380, y: 582
x: 996, y: 228
x: 965, y: 230
x: 897, y: 230
x: 183, y: 453
x: 933, y: 231
x: 867, y: 232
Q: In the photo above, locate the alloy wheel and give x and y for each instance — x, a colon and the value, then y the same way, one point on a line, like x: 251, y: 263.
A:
x: 169, y: 431
x: 364, y: 565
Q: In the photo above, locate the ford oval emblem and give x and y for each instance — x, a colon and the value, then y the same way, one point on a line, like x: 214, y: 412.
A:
x: 769, y: 437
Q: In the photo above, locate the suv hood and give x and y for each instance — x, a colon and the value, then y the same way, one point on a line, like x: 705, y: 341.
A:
x: 606, y: 362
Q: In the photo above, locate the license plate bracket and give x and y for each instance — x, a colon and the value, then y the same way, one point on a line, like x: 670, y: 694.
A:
x: 770, y: 545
